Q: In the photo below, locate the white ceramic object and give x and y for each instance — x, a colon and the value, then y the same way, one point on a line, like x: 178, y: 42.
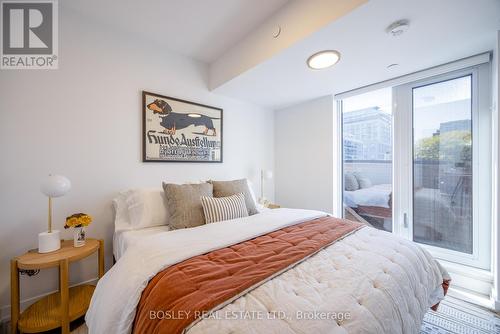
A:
x: 49, y: 242
x: 78, y: 236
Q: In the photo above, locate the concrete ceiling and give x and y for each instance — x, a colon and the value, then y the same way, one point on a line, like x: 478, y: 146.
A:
x: 440, y: 31
x: 199, y: 29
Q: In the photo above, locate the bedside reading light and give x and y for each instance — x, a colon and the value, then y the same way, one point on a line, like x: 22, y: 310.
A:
x: 264, y: 175
x: 52, y: 186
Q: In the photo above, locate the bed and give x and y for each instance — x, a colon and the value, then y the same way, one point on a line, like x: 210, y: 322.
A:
x: 361, y: 281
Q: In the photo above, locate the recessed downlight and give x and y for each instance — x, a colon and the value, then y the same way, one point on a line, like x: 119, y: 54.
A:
x: 323, y: 59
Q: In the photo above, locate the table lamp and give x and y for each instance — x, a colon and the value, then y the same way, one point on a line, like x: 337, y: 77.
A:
x: 53, y: 186
x: 264, y: 174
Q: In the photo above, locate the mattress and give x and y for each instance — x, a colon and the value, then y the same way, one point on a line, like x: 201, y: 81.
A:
x: 124, y: 239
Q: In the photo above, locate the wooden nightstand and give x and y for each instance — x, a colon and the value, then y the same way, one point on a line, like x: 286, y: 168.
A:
x: 57, y: 309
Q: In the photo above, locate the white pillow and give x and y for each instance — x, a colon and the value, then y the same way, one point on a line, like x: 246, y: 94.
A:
x: 260, y: 208
x: 122, y: 219
x: 146, y: 208
x: 252, y: 193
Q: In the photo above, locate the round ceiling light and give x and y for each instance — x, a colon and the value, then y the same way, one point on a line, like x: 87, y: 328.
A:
x: 323, y: 59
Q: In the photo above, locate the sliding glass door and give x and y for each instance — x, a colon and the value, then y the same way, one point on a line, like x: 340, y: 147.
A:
x: 446, y: 186
x: 442, y: 164
x: 432, y: 183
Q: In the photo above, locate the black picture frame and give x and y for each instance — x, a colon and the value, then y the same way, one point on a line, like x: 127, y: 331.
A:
x: 209, y: 144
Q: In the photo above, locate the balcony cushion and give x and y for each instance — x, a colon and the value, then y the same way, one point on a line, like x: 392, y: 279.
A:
x: 363, y: 181
x: 350, y: 182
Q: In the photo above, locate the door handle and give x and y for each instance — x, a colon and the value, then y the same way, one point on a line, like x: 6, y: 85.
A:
x: 405, y: 220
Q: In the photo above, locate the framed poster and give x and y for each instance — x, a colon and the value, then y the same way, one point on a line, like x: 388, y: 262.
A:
x: 180, y: 131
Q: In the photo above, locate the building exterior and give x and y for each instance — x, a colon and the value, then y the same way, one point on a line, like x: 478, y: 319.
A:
x: 370, y: 127
x: 353, y: 149
x: 460, y: 125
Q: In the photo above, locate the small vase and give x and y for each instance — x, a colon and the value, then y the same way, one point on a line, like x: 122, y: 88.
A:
x: 79, y: 236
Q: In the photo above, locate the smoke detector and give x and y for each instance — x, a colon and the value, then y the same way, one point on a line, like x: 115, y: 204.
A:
x: 398, y: 28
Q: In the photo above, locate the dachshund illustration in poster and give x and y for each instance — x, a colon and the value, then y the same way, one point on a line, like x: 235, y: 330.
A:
x: 172, y: 121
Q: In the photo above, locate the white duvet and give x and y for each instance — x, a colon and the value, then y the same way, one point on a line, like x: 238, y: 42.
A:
x: 376, y: 282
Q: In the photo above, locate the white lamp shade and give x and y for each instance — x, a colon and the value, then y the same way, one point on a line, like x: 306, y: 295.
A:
x: 55, y: 186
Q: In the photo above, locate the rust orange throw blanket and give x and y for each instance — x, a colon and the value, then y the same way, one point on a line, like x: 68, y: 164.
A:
x: 204, y: 282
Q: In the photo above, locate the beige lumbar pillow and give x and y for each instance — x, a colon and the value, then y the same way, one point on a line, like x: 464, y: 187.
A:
x: 184, y: 203
x: 224, y: 208
x: 228, y: 188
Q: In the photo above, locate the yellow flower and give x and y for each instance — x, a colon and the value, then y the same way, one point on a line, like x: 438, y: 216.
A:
x: 86, y: 220
x: 78, y: 220
x: 71, y: 222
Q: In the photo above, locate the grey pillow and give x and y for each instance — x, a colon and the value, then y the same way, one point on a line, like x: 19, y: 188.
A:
x: 229, y: 188
x: 184, y: 203
x: 350, y: 182
x: 363, y: 181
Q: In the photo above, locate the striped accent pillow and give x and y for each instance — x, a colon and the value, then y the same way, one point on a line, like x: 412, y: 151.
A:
x: 224, y: 208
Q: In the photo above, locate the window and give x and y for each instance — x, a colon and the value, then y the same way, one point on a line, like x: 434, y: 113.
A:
x: 417, y: 162
x: 367, y: 158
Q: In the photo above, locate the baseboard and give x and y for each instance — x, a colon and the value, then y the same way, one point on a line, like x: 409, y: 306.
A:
x: 5, y: 310
x: 496, y: 305
x: 471, y: 297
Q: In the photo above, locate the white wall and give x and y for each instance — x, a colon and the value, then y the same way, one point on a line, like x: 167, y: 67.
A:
x: 84, y: 121
x: 304, y: 155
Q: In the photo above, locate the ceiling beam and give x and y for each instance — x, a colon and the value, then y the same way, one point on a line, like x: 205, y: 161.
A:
x: 294, y: 21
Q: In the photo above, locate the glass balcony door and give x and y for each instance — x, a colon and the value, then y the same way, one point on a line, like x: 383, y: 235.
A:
x: 444, y: 160
x: 417, y: 163
x: 442, y: 164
